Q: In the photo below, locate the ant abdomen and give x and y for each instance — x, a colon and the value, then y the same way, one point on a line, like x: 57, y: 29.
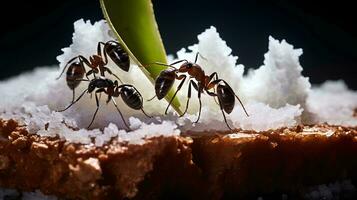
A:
x: 131, y: 97
x: 75, y: 73
x: 226, y: 97
x: 164, y: 83
x: 117, y: 53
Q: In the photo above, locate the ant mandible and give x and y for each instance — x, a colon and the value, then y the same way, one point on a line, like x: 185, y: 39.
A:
x: 97, y: 64
x: 129, y: 94
x: 204, y: 83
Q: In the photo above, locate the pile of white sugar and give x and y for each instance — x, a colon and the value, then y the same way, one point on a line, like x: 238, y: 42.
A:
x: 275, y: 95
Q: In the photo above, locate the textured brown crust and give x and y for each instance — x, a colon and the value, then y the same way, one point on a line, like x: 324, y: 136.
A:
x: 29, y: 162
x: 282, y: 161
x: 207, y: 166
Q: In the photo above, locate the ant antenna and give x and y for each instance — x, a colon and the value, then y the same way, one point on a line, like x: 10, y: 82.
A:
x: 73, y: 102
x: 242, y: 105
x: 121, y: 115
x: 149, y: 116
x: 198, y: 54
x: 65, y: 67
x: 152, y: 98
x: 158, y: 63
x: 118, y: 78
x: 82, y: 80
x: 167, y: 65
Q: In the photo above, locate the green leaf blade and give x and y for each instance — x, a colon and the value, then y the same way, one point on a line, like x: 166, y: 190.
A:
x: 134, y: 25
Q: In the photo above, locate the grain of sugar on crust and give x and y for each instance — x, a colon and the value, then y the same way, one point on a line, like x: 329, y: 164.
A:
x: 276, y: 95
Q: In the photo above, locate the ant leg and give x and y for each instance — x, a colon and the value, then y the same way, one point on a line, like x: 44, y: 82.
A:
x: 100, y: 96
x: 210, y: 85
x: 121, y: 115
x: 215, y: 75
x: 152, y: 98
x: 64, y: 68
x: 224, y: 116
x: 99, y: 51
x: 82, y: 60
x: 214, y: 82
x: 213, y: 94
x: 89, y: 73
x: 123, y: 85
x: 74, y: 90
x: 99, y: 48
x: 199, y: 100
x: 80, y: 96
x: 111, y: 73
x: 183, y: 77
x: 188, y: 98
x: 96, y: 110
x: 237, y: 98
x: 105, y: 53
x: 73, y: 95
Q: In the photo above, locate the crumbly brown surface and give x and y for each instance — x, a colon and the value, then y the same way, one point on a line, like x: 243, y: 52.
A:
x: 210, y: 166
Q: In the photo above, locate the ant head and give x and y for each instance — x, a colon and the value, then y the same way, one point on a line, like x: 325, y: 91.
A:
x: 91, y: 86
x: 187, y: 66
x: 116, y: 83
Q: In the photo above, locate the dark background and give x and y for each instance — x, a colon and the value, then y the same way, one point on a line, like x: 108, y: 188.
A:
x: 33, y: 32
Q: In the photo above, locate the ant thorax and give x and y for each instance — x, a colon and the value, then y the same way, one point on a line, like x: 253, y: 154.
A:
x: 96, y: 60
x: 100, y: 82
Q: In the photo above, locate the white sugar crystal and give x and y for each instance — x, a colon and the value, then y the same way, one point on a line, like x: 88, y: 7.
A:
x: 275, y: 95
x: 135, y: 123
x: 279, y: 80
x: 263, y: 117
x: 109, y: 132
x: 166, y: 128
x: 333, y: 103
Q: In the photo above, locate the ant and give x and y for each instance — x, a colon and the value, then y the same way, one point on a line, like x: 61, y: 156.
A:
x: 204, y: 83
x: 97, y: 64
x: 129, y: 94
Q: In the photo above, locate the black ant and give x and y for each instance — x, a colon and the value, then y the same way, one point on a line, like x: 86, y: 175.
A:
x: 97, y: 64
x: 225, y: 94
x: 129, y: 94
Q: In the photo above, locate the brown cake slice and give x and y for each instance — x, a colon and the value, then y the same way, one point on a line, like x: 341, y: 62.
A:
x: 197, y: 165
